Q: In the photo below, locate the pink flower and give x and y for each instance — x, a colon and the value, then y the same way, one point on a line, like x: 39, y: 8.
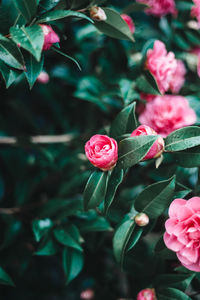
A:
x: 43, y: 77
x: 196, y: 51
x: 97, y: 14
x: 157, y: 148
x: 162, y: 65
x: 146, y: 294
x: 195, y: 11
x: 141, y: 219
x: 50, y: 37
x: 178, y: 77
x: 102, y: 152
x: 159, y: 8
x: 129, y: 22
x: 167, y: 113
x: 183, y: 232
x: 87, y: 294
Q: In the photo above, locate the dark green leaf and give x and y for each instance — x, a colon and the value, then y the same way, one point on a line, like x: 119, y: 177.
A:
x: 5, y: 278
x: 40, y: 227
x: 67, y: 56
x: 189, y: 158
x: 68, y: 236
x: 99, y: 224
x: 47, y: 247
x: 134, y: 7
x: 179, y: 281
x: 147, y: 84
x: 95, y: 189
x: 33, y: 69
x: 72, y: 263
x: 27, y: 8
x: 171, y: 293
x: 60, y: 14
x: 9, y: 75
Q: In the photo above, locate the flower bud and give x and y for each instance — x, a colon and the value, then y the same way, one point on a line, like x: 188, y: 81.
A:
x: 141, y: 219
x: 157, y: 148
x: 43, y: 77
x: 50, y: 37
x: 147, y: 294
x: 129, y: 22
x: 97, y: 14
x: 87, y: 294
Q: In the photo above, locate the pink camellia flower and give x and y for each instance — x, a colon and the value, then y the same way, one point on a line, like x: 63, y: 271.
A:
x: 129, y: 22
x: 162, y: 65
x: 157, y: 148
x: 50, y: 37
x: 183, y: 232
x: 87, y: 294
x: 159, y: 8
x: 43, y: 77
x: 167, y: 113
x: 102, y: 152
x: 146, y: 294
x: 178, y: 77
x: 195, y: 11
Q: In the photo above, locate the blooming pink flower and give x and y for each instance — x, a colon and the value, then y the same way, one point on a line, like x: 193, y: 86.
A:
x: 195, y: 11
x: 159, y: 8
x: 146, y: 294
x: 167, y: 113
x: 162, y: 65
x: 43, y: 77
x: 183, y: 232
x: 157, y: 148
x: 129, y: 22
x: 102, y: 151
x: 178, y: 77
x: 50, y: 37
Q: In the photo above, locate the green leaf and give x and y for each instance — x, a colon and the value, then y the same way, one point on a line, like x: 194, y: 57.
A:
x: 95, y: 189
x: 134, y: 7
x: 171, y: 293
x: 114, y: 26
x: 68, y: 236
x: 99, y: 224
x: 179, y: 281
x: 72, y: 263
x: 133, y: 149
x: 135, y: 236
x: 155, y: 198
x: 113, y: 183
x: 181, y: 139
x: 67, y: 56
x: 125, y: 122
x: 10, y: 53
x: 147, y: 84
x: 48, y: 4
x: 33, y: 69
x: 41, y: 227
x: 27, y: 8
x: 121, y: 239
x: 9, y: 75
x: 30, y: 38
x: 60, y: 14
x: 47, y: 247
x: 5, y: 278
x: 189, y: 158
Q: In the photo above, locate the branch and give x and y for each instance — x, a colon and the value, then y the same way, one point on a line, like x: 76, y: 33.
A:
x: 40, y: 139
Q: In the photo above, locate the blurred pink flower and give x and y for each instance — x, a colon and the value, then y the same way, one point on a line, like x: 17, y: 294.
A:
x: 183, y: 232
x: 195, y: 11
x: 196, y: 51
x: 102, y: 151
x: 87, y: 294
x: 43, y: 77
x: 129, y: 22
x: 146, y: 294
x: 159, y: 8
x: 167, y: 113
x: 50, y: 37
x: 178, y: 77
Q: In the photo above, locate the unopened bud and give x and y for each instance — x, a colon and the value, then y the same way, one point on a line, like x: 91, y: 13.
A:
x: 141, y: 219
x: 97, y: 14
x: 147, y: 294
x: 87, y: 294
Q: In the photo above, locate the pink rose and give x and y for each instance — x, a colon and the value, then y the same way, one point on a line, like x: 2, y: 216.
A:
x: 195, y: 11
x: 183, y: 232
x: 146, y: 294
x: 129, y: 22
x: 167, y: 113
x: 157, y: 148
x: 50, y: 37
x: 178, y: 77
x: 162, y: 65
x: 159, y: 8
x: 102, y: 151
x: 43, y: 77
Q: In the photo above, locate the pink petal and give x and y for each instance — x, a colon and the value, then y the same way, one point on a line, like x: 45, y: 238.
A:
x: 172, y: 243
x: 194, y: 204
x: 175, y: 207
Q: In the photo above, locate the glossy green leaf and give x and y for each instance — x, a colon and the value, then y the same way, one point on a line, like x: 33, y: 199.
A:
x: 47, y: 247
x: 40, y: 227
x: 147, y: 84
x: 134, y: 7
x: 9, y: 75
x: 67, y: 56
x: 95, y: 189
x: 27, y: 8
x: 181, y: 139
x: 179, y: 281
x: 114, y: 26
x: 30, y: 38
x: 96, y: 225
x: 10, y: 53
x: 189, y: 158
x: 125, y: 122
x: 68, y: 236
x: 61, y: 14
x: 135, y: 236
x: 171, y: 293
x: 113, y: 183
x: 72, y: 263
x: 33, y: 69
x: 155, y: 198
x: 5, y: 278
x: 133, y: 149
